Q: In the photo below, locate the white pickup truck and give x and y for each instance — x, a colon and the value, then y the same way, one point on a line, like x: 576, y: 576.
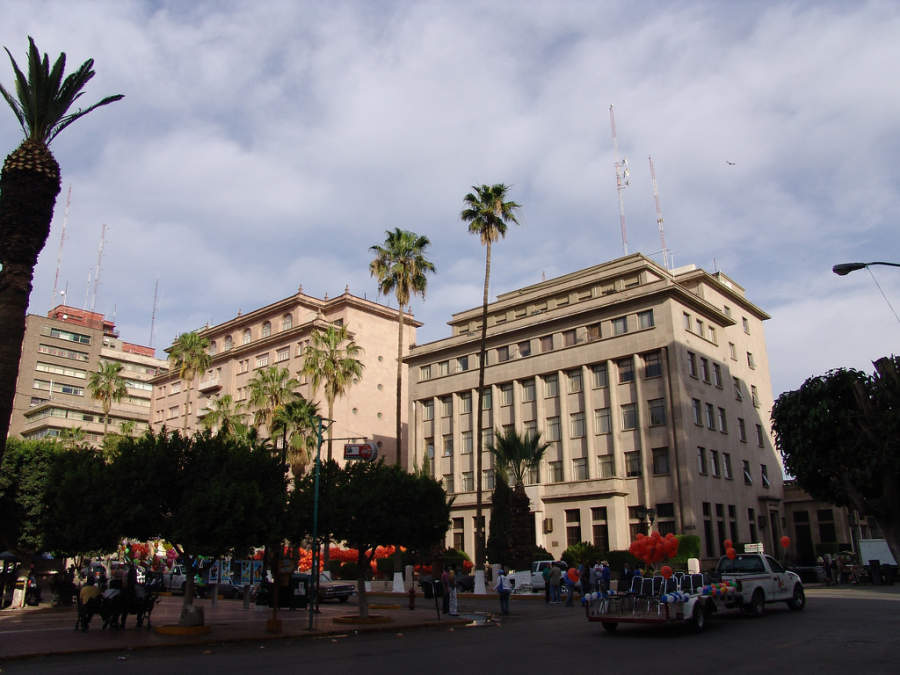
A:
x: 759, y: 579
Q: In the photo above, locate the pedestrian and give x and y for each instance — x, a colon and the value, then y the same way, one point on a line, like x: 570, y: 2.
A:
x: 595, y: 576
x: 451, y: 592
x: 571, y: 580
x: 627, y: 576
x: 503, y: 589
x: 605, y: 578
x: 545, y: 573
x: 445, y: 588
x: 555, y: 579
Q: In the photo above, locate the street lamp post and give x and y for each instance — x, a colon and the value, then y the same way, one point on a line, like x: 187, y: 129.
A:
x: 314, y: 572
x: 843, y: 269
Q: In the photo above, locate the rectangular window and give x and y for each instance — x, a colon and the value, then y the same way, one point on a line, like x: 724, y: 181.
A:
x: 506, y: 394
x: 660, y: 461
x: 629, y: 416
x: 687, y: 321
x: 466, y: 439
x: 486, y: 402
x: 444, y: 368
x: 527, y: 391
x: 569, y: 338
x: 462, y: 364
x: 711, y: 334
x: 601, y: 378
x: 465, y: 403
x: 736, y: 381
x: 503, y: 353
x: 552, y: 429
x: 487, y: 479
x: 448, y: 483
x: 714, y: 462
x: 701, y: 460
x: 594, y: 332
x: 487, y: 439
x: 63, y: 353
x: 746, y: 324
x: 530, y: 429
x: 534, y: 476
x: 60, y: 370
x: 764, y: 474
x: 601, y: 536
x: 448, y: 445
x: 425, y: 373
x: 626, y: 370
x: 723, y: 422
x: 573, y: 527
x: 633, y: 464
x: 704, y: 370
x: 754, y: 395
x: 692, y: 364
x: 751, y: 362
x: 645, y: 319
x: 59, y: 387
x: 551, y: 386
x: 607, y: 466
x: 710, y: 416
x: 695, y: 408
x: 446, y: 406
x: 760, y: 437
x: 283, y: 354
x: 556, y: 471
x: 524, y: 349
x: 579, y: 468
x: 742, y: 430
x: 427, y: 410
x: 576, y: 425
x: 574, y: 377
x: 652, y: 365
x: 429, y: 448
x: 717, y: 375
x: 727, y: 310
x: 699, y: 327
x: 726, y: 465
x: 732, y: 351
x: 547, y: 343
x: 60, y: 334
x: 262, y: 360
x: 748, y: 479
x: 468, y: 481
x: 601, y: 421
x: 657, y: 407
x: 620, y: 325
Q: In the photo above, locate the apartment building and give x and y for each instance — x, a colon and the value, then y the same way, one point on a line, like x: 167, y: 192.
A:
x: 59, y: 353
x: 652, y: 387
x: 276, y: 335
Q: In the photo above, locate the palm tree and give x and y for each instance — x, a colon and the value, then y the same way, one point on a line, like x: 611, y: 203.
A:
x: 226, y: 415
x: 127, y: 427
x: 189, y: 355
x: 330, y: 361
x: 29, y: 183
x: 487, y: 212
x: 107, y: 386
x: 298, y: 422
x: 517, y: 454
x: 269, y: 390
x: 71, y: 437
x: 400, y: 267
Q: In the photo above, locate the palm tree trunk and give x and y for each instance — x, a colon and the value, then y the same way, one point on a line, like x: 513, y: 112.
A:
x: 15, y: 287
x: 399, y: 378
x: 482, y: 357
x: 187, y: 406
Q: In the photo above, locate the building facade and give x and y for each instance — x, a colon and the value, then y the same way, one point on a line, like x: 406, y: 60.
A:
x: 652, y: 387
x: 276, y: 335
x: 59, y: 353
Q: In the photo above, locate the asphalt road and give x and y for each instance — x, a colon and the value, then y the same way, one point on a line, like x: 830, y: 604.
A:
x: 849, y: 631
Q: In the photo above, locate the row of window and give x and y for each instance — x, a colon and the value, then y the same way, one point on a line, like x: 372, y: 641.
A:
x: 58, y: 387
x: 56, y: 369
x: 62, y: 353
x: 60, y: 334
x: 716, y: 418
x: 713, y: 375
x: 713, y: 467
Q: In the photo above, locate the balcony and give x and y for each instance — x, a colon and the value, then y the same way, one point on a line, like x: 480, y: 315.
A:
x: 209, y: 383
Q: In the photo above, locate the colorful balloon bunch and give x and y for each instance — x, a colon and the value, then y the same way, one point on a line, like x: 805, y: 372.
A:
x: 675, y: 598
x: 718, y: 590
x: 655, y: 548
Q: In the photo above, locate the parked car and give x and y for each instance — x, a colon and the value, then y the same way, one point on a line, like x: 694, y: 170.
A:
x: 299, y: 589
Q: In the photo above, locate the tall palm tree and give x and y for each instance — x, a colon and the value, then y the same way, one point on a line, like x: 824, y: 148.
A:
x: 189, y: 355
x: 516, y: 454
x: 29, y: 183
x: 400, y: 267
x: 107, y: 386
x: 226, y: 415
x: 298, y: 422
x: 269, y: 389
x: 331, y: 361
x: 71, y: 437
x: 487, y: 212
x: 127, y: 427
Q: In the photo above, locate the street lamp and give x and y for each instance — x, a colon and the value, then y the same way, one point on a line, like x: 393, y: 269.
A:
x: 646, y: 516
x: 843, y: 269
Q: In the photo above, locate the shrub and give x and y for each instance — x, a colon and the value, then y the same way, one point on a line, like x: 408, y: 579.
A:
x: 688, y: 547
x: 455, y: 558
x: 582, y: 553
x: 385, y: 567
x: 540, y: 553
x: 334, y: 566
x: 348, y: 570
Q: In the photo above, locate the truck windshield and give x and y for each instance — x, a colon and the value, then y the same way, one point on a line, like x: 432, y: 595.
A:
x: 742, y: 564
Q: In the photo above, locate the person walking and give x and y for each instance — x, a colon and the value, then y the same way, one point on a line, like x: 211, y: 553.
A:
x: 571, y: 580
x: 555, y: 579
x: 445, y: 588
x: 503, y: 590
x: 605, y: 578
x: 451, y: 592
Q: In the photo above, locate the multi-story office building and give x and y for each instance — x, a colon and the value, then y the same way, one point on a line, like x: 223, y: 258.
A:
x: 59, y: 353
x: 276, y: 335
x: 652, y: 387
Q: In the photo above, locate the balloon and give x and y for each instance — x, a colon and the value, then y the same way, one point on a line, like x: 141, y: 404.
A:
x: 728, y: 544
x: 785, y: 542
x: 666, y: 571
x: 731, y: 553
x: 572, y: 574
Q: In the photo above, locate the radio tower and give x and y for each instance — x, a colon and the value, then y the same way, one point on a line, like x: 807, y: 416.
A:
x: 99, y: 262
x: 62, y: 240
x: 659, y: 217
x: 623, y: 176
x: 155, y: 307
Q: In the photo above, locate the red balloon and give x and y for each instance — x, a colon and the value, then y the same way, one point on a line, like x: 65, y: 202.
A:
x: 573, y: 574
x: 731, y: 553
x: 728, y: 544
x: 666, y: 571
x: 785, y: 542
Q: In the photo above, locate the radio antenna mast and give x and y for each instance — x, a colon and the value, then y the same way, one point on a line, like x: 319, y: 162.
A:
x: 62, y: 240
x: 623, y: 179
x: 155, y: 307
x: 659, y: 217
x: 99, y: 262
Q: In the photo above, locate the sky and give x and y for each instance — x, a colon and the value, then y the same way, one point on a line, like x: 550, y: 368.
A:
x: 263, y: 145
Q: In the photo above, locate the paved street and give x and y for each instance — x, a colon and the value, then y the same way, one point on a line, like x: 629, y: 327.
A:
x: 842, y: 630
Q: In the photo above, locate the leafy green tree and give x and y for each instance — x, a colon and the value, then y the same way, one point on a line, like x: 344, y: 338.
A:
x: 226, y: 416
x: 400, y: 267
x: 582, y: 553
x: 839, y: 435
x: 72, y: 437
x: 298, y: 422
x: 29, y: 183
x: 487, y: 212
x: 270, y: 389
x: 239, y: 503
x: 331, y: 361
x: 107, y: 386
x: 189, y: 356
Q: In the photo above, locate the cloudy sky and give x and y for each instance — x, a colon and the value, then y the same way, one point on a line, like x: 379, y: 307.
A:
x: 266, y: 144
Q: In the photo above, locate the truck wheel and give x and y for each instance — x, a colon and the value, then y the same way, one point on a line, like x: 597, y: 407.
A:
x: 798, y: 599
x: 698, y: 617
x: 757, y: 603
x: 610, y: 626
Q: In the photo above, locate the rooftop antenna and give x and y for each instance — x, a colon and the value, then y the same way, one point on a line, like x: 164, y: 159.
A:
x: 623, y: 179
x: 99, y: 262
x: 155, y: 308
x: 659, y: 217
x: 62, y: 240
x: 87, y: 289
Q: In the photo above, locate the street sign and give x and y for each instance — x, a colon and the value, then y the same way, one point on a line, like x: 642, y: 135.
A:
x: 364, y: 451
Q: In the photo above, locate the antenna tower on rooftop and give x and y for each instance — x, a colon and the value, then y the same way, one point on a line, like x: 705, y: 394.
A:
x: 99, y: 262
x: 155, y: 308
x: 62, y: 240
x: 623, y: 178
x: 659, y: 217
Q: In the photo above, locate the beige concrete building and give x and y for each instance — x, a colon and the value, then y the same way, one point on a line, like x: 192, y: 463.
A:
x: 59, y: 353
x: 276, y: 335
x: 652, y: 386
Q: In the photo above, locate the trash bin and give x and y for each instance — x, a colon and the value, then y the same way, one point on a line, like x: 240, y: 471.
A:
x: 300, y: 589
x: 427, y: 588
